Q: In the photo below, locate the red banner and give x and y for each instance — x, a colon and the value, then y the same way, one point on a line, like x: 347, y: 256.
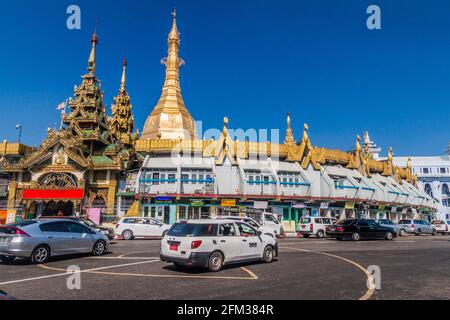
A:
x: 50, y: 194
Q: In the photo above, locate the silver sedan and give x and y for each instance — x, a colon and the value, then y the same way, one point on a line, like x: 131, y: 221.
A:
x: 39, y: 240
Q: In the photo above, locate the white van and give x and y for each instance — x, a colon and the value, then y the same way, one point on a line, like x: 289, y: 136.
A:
x: 316, y: 226
x: 268, y: 221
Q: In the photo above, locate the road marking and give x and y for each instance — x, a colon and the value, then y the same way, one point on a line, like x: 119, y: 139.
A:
x: 123, y: 258
x: 253, y: 276
x: 127, y: 254
x: 66, y: 273
x: 370, y: 279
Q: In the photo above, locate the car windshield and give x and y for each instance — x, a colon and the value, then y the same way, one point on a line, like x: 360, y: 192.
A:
x: 89, y: 222
x: 252, y: 223
x: 193, y: 230
x: 305, y: 220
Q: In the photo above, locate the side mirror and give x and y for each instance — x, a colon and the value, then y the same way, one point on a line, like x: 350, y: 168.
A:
x: 259, y: 233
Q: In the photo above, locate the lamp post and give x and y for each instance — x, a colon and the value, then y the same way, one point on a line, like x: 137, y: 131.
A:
x: 19, y: 127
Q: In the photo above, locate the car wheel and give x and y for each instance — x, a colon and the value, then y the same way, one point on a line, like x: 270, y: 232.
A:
x: 127, y: 235
x: 320, y: 234
x: 306, y: 236
x: 356, y: 236
x: 99, y: 248
x: 7, y: 258
x: 215, y: 262
x: 40, y: 254
x: 268, y: 254
x: 434, y: 233
x: 389, y: 236
x: 402, y: 232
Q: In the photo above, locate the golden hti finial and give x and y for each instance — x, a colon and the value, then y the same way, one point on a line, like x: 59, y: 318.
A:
x: 289, y: 138
x: 92, y: 56
x: 305, y: 132
x: 225, y: 126
x: 123, y: 81
x: 358, y: 144
x: 174, y: 34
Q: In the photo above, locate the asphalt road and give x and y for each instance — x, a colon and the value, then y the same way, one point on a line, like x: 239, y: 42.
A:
x: 415, y: 267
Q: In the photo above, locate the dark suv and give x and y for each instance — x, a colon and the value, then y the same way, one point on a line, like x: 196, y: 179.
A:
x: 109, y: 232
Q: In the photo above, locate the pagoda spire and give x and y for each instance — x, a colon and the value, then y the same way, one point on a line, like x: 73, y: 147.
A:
x: 170, y: 118
x: 93, y: 56
x: 289, y: 138
x: 123, y: 82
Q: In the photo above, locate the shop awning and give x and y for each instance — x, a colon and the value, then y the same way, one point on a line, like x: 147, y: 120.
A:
x: 52, y: 194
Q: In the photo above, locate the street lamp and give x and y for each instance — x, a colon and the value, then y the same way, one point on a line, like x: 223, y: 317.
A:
x: 19, y: 127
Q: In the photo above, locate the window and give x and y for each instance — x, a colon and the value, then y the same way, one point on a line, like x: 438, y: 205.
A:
x: 227, y: 230
x: 194, y: 177
x: 193, y: 230
x: 271, y: 218
x: 363, y: 223
x: 171, y: 177
x: 443, y: 170
x: 76, y: 228
x: 245, y: 230
x: 427, y: 189
x: 58, y: 226
x: 426, y: 170
x: 445, y: 189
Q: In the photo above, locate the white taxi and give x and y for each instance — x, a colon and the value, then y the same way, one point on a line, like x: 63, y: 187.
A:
x: 130, y: 228
x: 214, y: 243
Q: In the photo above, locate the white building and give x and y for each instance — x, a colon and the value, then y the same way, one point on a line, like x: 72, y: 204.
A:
x: 434, y: 178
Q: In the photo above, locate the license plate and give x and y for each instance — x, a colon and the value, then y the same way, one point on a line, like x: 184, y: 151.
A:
x: 173, y: 247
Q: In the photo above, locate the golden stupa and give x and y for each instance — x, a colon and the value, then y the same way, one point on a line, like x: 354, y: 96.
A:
x: 170, y: 119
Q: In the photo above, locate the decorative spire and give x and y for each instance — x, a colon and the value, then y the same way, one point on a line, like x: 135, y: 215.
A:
x: 305, y: 133
x: 123, y: 82
x: 289, y: 139
x: 92, y: 57
x: 170, y: 119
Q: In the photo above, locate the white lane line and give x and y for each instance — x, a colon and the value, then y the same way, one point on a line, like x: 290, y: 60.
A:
x: 123, y: 258
x: 66, y: 273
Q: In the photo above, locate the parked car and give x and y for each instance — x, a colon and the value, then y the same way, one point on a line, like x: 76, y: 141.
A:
x: 265, y: 230
x: 357, y: 229
x: 130, y: 228
x: 214, y: 243
x: 441, y: 226
x: 417, y: 227
x: 38, y: 240
x: 315, y: 226
x: 268, y: 221
x: 401, y: 231
x: 109, y: 232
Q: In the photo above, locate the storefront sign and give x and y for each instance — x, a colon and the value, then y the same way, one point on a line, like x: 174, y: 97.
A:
x: 11, y: 216
x: 349, y: 205
x: 324, y: 205
x: 94, y: 215
x: 163, y: 200
x: 197, y: 203
x: 3, y: 215
x: 381, y: 206
x: 228, y: 203
x: 53, y: 194
x: 261, y: 205
x: 299, y: 205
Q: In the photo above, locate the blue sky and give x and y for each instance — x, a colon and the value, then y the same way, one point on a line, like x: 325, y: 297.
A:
x: 250, y: 60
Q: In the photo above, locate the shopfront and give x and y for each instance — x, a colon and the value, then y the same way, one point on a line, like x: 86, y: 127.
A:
x: 52, y: 202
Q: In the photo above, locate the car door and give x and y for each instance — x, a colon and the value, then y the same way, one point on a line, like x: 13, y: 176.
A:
x: 363, y: 228
x: 58, y: 237
x: 252, y: 244
x: 376, y: 230
x: 152, y: 228
x: 81, y: 237
x: 230, y: 242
